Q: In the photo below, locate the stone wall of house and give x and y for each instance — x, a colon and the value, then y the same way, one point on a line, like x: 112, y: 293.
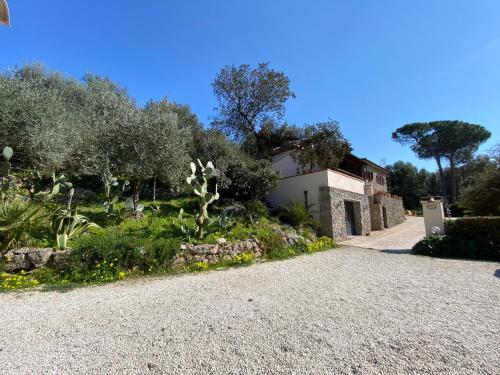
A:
x: 332, y: 212
x: 394, y: 208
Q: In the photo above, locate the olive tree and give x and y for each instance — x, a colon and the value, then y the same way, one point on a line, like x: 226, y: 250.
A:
x: 247, y: 98
x: 322, y: 145
x: 154, y: 146
x: 40, y: 117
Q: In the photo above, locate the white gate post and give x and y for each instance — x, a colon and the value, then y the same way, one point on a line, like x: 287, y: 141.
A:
x: 433, y: 215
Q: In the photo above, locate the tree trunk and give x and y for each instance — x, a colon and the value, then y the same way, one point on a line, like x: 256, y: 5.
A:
x: 154, y: 189
x: 453, y: 179
x: 442, y: 181
x: 136, y: 190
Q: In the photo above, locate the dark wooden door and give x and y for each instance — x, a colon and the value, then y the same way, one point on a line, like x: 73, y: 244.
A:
x: 384, y: 215
x: 350, y: 225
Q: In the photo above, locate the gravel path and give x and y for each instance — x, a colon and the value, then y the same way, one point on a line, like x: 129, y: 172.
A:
x: 347, y: 311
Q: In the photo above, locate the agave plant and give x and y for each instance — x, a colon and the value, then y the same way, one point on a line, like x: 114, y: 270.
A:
x: 67, y: 223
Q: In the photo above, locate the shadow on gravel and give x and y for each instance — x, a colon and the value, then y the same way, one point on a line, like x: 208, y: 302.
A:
x: 497, y: 273
x: 396, y: 251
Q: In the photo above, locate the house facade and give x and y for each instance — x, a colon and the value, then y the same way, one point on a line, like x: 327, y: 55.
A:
x: 350, y: 200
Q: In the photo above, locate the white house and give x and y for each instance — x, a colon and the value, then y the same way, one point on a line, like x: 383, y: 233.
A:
x: 350, y: 200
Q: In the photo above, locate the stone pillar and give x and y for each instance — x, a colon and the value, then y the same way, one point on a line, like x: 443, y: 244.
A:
x: 433, y: 215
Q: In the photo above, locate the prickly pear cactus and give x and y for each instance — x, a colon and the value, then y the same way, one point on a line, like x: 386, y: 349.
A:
x: 5, y: 172
x: 205, y: 198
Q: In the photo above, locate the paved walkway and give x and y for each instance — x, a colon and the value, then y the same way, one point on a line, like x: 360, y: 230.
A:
x: 400, y: 237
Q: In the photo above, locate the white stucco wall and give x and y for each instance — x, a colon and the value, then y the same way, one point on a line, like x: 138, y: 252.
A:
x: 344, y: 182
x: 294, y: 187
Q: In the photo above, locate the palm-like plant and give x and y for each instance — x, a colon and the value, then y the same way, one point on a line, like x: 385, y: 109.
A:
x: 297, y: 215
x: 21, y: 223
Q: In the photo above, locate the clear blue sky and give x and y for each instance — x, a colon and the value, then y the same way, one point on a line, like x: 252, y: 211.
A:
x: 372, y: 65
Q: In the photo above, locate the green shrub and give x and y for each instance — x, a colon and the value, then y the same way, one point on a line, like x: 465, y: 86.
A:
x: 456, y: 210
x: 255, y: 210
x: 126, y: 250
x: 274, y: 247
x: 474, y: 227
x: 429, y: 246
x: 240, y: 232
x: 469, y: 238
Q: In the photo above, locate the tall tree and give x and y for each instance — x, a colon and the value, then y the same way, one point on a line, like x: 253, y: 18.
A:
x: 109, y: 111
x: 461, y: 142
x: 454, y: 141
x: 247, y: 97
x: 40, y: 117
x: 154, y: 147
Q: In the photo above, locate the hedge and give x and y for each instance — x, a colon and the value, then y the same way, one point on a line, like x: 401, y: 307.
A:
x: 469, y: 238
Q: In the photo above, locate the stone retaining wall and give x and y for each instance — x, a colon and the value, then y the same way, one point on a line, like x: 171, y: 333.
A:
x: 222, y: 251
x: 30, y: 258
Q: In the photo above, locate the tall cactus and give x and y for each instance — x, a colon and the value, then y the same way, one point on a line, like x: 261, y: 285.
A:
x: 205, y: 198
x: 5, y: 172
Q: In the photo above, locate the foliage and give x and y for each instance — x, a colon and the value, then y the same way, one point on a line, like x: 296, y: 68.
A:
x: 273, y: 138
x: 321, y: 145
x: 22, y: 223
x: 155, y: 147
x: 250, y: 179
x: 188, y: 231
x: 482, y: 195
x: 275, y: 247
x: 429, y: 246
x: 410, y: 183
x: 247, y: 97
x: 205, y: 198
x: 470, y: 238
x: 213, y: 145
x: 41, y: 117
x: 67, y: 224
x: 126, y: 249
x: 255, y: 210
x: 455, y: 141
x: 297, y: 215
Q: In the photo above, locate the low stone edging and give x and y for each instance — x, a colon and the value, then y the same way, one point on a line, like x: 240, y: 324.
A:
x: 223, y: 251
x: 30, y: 258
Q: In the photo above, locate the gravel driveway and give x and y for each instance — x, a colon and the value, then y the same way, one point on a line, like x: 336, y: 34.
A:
x: 347, y: 311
